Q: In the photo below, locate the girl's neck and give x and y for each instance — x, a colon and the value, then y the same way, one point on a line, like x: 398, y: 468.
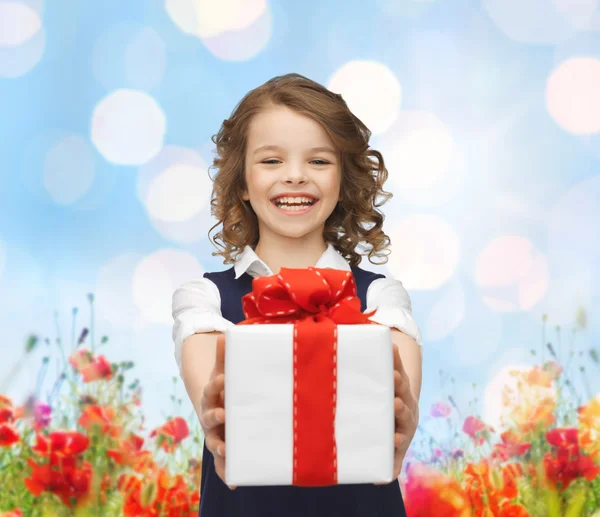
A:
x: 294, y: 253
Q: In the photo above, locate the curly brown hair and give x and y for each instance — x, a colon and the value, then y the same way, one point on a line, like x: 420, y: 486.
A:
x: 355, y: 220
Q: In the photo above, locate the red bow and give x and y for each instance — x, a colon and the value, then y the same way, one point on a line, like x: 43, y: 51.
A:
x: 315, y: 300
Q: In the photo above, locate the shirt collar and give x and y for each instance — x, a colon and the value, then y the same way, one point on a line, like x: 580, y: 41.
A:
x: 249, y: 262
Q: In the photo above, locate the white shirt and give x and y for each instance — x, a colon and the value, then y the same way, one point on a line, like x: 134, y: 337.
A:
x: 196, y: 304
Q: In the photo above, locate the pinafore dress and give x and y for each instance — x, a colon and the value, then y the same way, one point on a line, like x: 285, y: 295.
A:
x: 358, y: 500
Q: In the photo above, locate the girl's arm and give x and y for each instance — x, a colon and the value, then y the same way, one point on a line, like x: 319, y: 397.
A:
x: 411, y: 356
x: 198, y: 354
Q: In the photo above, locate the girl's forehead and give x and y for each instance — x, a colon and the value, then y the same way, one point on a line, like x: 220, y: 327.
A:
x: 278, y: 133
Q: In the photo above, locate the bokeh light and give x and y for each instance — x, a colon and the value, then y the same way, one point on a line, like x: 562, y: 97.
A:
x: 425, y: 251
x: 69, y: 169
x: 446, y: 313
x: 520, y: 21
x: 580, y: 14
x: 511, y: 273
x: 129, y: 55
x: 371, y: 90
x: 424, y: 163
x: 18, y: 23
x: 573, y: 223
x: 128, y: 127
x: 233, y: 30
x: 22, y: 38
x: 155, y: 279
x: 493, y: 408
x: 175, y: 189
x: 573, y: 95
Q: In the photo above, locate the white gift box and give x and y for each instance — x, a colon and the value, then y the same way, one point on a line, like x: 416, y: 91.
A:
x: 259, y: 404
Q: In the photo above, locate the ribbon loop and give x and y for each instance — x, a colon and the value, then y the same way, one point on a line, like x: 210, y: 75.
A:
x: 295, y: 294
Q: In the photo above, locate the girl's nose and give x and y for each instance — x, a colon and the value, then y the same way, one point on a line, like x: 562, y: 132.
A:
x: 295, y: 176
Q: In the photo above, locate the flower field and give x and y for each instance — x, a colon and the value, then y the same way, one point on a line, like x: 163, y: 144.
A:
x: 81, y: 451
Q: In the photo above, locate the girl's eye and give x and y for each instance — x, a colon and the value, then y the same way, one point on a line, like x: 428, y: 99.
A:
x: 323, y: 162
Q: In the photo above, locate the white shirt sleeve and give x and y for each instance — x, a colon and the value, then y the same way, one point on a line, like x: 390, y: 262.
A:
x: 394, y: 309
x: 196, y: 308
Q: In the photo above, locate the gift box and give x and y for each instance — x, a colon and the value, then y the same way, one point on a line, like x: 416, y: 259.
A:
x: 309, y: 385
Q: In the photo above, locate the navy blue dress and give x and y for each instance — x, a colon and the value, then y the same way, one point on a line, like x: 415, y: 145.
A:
x: 359, y: 500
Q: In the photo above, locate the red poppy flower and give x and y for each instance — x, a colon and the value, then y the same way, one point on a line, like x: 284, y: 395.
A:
x: 171, y: 433
x: 476, y: 429
x: 130, y: 454
x: 101, y: 418
x: 8, y: 435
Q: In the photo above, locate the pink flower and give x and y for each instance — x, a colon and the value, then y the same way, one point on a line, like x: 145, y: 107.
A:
x: 42, y: 415
x: 476, y: 429
x: 440, y: 409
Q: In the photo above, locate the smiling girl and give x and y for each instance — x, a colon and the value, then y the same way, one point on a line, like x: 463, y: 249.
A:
x: 297, y: 186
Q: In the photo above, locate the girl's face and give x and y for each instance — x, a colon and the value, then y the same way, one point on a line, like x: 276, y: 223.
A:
x: 294, y: 185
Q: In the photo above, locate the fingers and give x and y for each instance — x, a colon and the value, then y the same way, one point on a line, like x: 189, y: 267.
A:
x: 405, y: 416
x: 397, y: 440
x: 401, y: 381
x: 220, y: 358
x: 215, y: 445
x: 212, y: 392
x: 212, y: 418
x: 220, y: 470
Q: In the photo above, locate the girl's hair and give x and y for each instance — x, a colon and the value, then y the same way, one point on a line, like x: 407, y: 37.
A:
x: 355, y: 219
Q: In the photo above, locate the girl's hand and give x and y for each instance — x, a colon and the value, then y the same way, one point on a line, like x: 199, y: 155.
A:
x: 406, y: 411
x: 212, y: 409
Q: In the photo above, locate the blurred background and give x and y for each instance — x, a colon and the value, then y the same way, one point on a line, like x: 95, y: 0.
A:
x: 487, y: 113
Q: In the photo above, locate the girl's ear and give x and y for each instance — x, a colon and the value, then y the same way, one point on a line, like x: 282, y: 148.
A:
x: 245, y: 195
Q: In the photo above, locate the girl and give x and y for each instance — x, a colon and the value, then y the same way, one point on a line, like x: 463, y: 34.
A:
x: 296, y: 187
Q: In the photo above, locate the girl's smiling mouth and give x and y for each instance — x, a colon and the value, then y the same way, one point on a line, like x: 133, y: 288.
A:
x: 294, y: 204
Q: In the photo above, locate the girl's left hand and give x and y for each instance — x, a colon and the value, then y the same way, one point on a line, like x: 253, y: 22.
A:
x: 406, y: 410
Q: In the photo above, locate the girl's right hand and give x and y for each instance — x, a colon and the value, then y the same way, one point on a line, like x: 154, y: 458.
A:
x: 213, y: 411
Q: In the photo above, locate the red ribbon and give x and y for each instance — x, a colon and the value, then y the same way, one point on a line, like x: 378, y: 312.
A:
x: 315, y: 300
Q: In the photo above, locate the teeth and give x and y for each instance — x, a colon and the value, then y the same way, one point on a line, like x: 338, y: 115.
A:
x: 293, y: 208
x: 296, y: 200
x: 301, y: 202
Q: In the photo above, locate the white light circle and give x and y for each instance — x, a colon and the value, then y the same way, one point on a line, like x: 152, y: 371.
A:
x: 573, y: 95
x: 18, y: 23
x: 128, y: 127
x: 446, y: 313
x: 511, y: 273
x: 233, y: 30
x: 129, y: 55
x: 371, y: 90
x: 155, y: 279
x: 520, y: 21
x: 423, y: 161
x: 572, y: 223
x: 175, y: 188
x: 179, y: 193
x: 579, y: 14
x: 494, y: 411
x: 425, y: 251
x: 22, y: 38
